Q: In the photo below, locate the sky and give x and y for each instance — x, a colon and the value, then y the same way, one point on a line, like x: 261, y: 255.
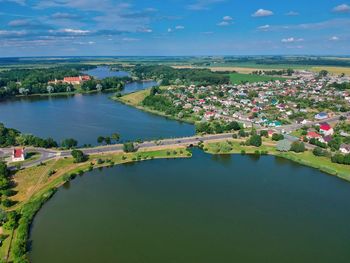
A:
x: 173, y: 27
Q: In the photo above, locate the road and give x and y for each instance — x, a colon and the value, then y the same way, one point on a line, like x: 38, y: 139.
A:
x: 48, y: 154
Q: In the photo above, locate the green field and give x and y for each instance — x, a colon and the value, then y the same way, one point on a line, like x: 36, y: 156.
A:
x: 237, y: 78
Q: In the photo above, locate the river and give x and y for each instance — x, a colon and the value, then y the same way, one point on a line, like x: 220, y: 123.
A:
x: 87, y: 116
x: 205, y: 209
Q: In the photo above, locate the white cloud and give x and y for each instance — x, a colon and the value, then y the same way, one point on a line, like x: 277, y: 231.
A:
x: 145, y: 30
x: 223, y: 23
x: 170, y: 30
x: 291, y: 40
x: 179, y: 27
x: 20, y: 2
x: 292, y: 13
x: 227, y: 18
x: 262, y: 13
x: 264, y: 27
x: 11, y: 33
x: 71, y: 31
x: 199, y: 5
x: 130, y: 39
x: 334, y: 38
x: 344, y: 8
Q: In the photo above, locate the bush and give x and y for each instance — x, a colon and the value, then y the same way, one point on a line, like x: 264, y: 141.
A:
x: 243, y: 152
x: 283, y: 146
x: 318, y: 151
x: 277, y: 137
x: 298, y: 147
x: 255, y: 140
x: 7, y: 202
x: 129, y: 147
x: 79, y: 156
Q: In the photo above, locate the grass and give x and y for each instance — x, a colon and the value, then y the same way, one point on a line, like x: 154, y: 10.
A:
x: 237, y: 78
x: 31, y: 156
x: 135, y: 98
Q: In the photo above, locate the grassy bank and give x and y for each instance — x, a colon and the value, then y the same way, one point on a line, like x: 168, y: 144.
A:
x: 306, y: 158
x: 36, y: 185
x: 135, y: 100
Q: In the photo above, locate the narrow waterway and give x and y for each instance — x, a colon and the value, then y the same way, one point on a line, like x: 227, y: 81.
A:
x: 87, y: 116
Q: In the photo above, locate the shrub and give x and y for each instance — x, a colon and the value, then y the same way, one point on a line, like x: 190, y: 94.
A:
x: 298, y: 147
x: 79, y: 156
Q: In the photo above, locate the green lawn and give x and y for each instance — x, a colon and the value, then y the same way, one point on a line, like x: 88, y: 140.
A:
x: 238, y: 78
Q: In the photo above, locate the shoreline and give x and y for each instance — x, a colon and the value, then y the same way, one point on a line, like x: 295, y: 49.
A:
x: 31, y: 207
x: 145, y: 109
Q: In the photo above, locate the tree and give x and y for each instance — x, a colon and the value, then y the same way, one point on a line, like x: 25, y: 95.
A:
x: 277, y: 137
x: 115, y: 137
x: 298, y: 147
x: 283, y: 146
x: 255, y: 140
x: 78, y: 156
x: 108, y: 140
x: 69, y: 143
x: 318, y: 151
x: 129, y: 147
x: 264, y: 133
x: 100, y: 139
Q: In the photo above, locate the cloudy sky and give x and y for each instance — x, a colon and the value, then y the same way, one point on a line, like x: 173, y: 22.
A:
x: 173, y: 27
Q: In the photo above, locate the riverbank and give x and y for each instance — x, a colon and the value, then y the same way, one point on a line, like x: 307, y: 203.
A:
x: 36, y: 185
x: 135, y: 100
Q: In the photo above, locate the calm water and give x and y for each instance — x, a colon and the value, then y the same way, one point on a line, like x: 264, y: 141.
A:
x: 201, y: 210
x: 85, y: 117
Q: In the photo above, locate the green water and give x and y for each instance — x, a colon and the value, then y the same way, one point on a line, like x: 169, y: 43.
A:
x: 200, y: 210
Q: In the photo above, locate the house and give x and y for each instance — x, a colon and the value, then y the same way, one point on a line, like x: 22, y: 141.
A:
x: 345, y: 148
x: 18, y: 154
x: 326, y: 129
x: 71, y: 80
x: 209, y: 115
x: 325, y: 139
x: 313, y: 135
x: 321, y: 116
x: 76, y: 80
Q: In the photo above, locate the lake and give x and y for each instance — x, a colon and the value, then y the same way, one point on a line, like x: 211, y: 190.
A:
x: 87, y: 116
x: 206, y: 209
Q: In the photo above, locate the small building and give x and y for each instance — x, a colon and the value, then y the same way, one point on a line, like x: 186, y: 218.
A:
x: 321, y: 116
x: 345, y: 148
x: 313, y: 135
x: 326, y: 129
x: 18, y: 154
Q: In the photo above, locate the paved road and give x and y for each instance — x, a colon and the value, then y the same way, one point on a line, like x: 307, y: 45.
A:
x: 47, y: 154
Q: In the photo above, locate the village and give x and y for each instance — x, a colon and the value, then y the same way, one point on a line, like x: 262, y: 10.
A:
x: 303, y: 100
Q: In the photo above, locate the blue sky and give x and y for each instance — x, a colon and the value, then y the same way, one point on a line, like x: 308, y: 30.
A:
x: 173, y: 27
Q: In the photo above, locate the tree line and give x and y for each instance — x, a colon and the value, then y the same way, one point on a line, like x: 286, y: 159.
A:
x: 169, y: 75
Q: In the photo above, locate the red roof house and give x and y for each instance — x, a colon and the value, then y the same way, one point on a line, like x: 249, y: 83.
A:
x: 18, y: 154
x: 313, y: 134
